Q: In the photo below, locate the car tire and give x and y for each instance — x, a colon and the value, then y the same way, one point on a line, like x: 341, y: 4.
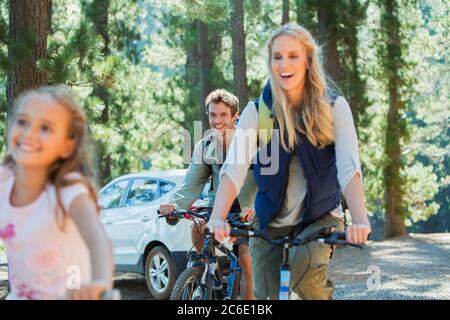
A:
x: 159, y: 273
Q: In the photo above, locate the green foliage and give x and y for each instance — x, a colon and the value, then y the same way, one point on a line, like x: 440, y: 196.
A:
x: 76, y: 58
x: 4, y: 33
x: 205, y: 10
x: 153, y: 91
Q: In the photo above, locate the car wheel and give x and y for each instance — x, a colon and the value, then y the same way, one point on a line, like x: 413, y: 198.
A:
x: 159, y: 273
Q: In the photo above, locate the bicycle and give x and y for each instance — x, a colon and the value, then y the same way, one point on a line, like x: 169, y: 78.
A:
x: 208, y: 276
x: 326, y: 235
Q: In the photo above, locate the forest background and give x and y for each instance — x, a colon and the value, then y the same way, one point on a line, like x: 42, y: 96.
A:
x: 143, y: 68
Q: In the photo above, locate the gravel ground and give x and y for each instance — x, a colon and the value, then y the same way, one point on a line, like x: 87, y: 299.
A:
x: 412, y: 267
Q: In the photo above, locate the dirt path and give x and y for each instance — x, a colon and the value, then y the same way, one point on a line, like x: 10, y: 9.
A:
x: 412, y: 267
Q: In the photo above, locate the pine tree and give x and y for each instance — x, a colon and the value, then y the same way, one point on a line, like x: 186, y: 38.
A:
x: 351, y: 17
x: 329, y: 38
x: 98, y: 12
x: 205, y: 67
x: 29, y: 26
x: 285, y: 12
x: 240, y: 87
x: 394, y: 63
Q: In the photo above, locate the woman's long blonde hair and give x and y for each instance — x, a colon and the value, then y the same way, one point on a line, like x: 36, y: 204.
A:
x: 314, y: 118
x: 79, y: 161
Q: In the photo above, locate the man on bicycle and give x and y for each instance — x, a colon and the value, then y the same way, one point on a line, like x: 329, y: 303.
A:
x: 209, y: 154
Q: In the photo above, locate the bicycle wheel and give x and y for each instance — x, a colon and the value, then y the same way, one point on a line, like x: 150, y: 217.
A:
x: 188, y: 286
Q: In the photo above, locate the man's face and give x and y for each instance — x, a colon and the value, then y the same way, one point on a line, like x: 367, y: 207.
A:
x: 220, y: 118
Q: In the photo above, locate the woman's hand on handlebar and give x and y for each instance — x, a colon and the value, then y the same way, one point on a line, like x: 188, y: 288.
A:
x: 219, y: 227
x: 358, y: 233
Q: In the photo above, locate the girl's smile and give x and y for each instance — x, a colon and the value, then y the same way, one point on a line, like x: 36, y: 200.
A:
x: 40, y: 134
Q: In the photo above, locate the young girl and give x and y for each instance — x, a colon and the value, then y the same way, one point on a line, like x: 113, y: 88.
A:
x: 316, y: 158
x: 55, y: 243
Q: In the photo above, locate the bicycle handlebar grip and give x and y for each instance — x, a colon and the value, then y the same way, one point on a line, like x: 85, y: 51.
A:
x: 340, y: 235
x: 239, y: 233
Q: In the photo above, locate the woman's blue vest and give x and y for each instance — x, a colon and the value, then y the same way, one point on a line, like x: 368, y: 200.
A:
x: 319, y: 167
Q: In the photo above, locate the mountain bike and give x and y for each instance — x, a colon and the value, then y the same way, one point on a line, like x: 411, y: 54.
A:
x: 214, y: 274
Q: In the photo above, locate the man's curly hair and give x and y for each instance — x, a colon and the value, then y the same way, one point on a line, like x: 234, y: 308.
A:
x: 222, y: 95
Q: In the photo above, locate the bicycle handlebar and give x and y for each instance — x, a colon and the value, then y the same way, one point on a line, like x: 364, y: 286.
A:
x: 239, y: 230
x: 325, y: 235
x: 184, y: 214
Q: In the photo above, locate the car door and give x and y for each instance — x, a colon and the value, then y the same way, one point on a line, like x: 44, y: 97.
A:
x: 110, y: 200
x: 131, y: 221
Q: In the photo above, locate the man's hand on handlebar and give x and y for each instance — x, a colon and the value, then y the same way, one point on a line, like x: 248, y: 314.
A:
x: 166, y: 209
x: 358, y: 233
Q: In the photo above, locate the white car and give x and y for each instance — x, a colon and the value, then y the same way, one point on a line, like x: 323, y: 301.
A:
x: 144, y: 243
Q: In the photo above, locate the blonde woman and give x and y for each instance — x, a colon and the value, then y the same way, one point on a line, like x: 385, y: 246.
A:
x: 315, y: 153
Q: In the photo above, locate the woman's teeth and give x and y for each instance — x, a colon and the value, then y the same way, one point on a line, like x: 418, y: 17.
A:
x: 286, y: 75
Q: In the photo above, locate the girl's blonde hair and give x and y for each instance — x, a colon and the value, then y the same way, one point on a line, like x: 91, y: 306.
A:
x: 314, y: 118
x: 79, y: 161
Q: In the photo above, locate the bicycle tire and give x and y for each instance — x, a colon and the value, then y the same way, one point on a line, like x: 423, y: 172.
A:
x: 180, y: 290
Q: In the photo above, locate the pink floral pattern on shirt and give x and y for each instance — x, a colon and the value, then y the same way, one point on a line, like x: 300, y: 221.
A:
x: 8, y: 233
x: 25, y: 292
x: 48, y: 258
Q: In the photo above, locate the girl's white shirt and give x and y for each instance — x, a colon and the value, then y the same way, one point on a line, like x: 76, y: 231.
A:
x: 43, y: 260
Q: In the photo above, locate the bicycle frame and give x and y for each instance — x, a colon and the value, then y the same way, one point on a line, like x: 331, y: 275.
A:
x: 211, y: 271
x: 211, y: 263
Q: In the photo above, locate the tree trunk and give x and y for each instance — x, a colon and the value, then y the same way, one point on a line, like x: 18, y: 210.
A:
x: 192, y: 57
x: 306, y: 13
x: 240, y: 87
x: 353, y: 84
x: 328, y: 35
x: 205, y: 64
x: 29, y: 23
x: 285, y: 14
x: 394, y: 223
x: 190, y: 109
x: 98, y: 13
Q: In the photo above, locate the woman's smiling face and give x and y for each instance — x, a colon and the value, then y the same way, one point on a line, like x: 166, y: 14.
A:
x: 288, y: 64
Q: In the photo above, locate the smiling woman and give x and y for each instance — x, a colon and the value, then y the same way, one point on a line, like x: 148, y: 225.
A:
x: 314, y: 152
